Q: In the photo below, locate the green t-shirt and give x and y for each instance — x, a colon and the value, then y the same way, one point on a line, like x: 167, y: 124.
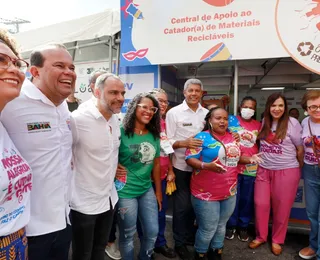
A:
x: 136, y: 154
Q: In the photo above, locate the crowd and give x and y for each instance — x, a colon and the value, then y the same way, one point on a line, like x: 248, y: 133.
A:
x: 75, y: 177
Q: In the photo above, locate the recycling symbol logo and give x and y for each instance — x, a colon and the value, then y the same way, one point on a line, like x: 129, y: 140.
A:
x: 305, y: 48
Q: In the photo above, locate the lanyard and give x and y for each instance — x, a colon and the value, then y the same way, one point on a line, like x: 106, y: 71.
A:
x: 316, y: 153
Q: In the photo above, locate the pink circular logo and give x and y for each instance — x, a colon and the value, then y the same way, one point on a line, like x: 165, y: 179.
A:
x: 218, y: 2
x: 298, y: 28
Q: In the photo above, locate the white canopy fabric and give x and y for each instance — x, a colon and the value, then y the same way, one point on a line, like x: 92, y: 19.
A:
x: 94, y: 26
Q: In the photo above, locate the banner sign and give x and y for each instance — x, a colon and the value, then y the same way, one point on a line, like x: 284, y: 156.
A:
x: 83, y: 70
x: 167, y: 32
x: 298, y: 28
x: 138, y: 80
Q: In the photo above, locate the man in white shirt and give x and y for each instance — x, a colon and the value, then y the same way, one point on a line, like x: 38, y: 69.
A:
x: 183, y: 122
x: 38, y: 122
x: 111, y: 249
x: 96, y: 139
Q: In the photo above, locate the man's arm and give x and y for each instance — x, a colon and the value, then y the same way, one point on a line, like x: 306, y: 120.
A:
x: 171, y: 126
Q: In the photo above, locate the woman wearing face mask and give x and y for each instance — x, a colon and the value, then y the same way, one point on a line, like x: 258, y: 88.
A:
x: 248, y: 130
x: 214, y: 182
x: 15, y: 173
x: 278, y: 175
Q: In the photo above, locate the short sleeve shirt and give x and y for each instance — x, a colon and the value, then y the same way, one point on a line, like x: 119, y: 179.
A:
x: 208, y: 185
x: 248, y: 132
x: 15, y: 186
x: 308, y: 139
x: 136, y: 154
x: 281, y: 154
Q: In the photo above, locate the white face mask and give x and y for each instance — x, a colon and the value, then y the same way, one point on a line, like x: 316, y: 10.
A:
x: 247, y: 113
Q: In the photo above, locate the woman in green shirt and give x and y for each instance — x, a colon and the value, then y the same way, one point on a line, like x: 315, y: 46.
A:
x: 139, y: 154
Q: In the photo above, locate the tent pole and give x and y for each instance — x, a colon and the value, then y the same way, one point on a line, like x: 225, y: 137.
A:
x: 110, y: 54
x: 235, y: 100
x: 159, y: 76
x: 118, y: 59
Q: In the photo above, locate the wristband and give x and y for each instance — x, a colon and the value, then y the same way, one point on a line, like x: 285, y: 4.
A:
x: 202, y: 165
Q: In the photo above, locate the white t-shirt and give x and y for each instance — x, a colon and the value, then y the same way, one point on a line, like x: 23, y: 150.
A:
x: 309, y: 156
x: 96, y: 144
x: 181, y: 123
x: 15, y: 186
x: 41, y: 132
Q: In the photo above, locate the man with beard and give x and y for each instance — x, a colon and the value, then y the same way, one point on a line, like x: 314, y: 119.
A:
x: 96, y: 139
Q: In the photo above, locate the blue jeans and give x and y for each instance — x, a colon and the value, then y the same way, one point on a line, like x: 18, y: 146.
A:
x: 311, y: 175
x: 129, y: 210
x: 161, y: 240
x: 244, y: 209
x: 212, y: 217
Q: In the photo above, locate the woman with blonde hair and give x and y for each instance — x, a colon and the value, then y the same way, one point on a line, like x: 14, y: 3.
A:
x: 15, y: 173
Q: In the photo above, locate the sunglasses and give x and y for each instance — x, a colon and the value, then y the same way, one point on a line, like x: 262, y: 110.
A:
x: 145, y: 108
x: 6, y: 61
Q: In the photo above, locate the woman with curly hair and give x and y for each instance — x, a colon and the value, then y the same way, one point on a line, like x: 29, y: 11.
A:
x: 15, y: 173
x: 214, y: 182
x: 139, y: 159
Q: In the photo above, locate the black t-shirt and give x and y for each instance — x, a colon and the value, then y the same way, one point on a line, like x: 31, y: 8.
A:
x: 72, y: 105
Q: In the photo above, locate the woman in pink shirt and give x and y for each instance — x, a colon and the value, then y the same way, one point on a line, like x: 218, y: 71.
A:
x: 214, y: 182
x: 167, y: 175
x: 278, y: 175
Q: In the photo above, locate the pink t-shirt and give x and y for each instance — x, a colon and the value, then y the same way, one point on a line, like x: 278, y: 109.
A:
x: 281, y: 154
x: 209, y: 185
x: 164, y: 158
x: 248, y: 132
x: 309, y: 156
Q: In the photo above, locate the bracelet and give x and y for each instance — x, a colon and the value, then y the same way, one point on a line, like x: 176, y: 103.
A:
x: 202, y: 165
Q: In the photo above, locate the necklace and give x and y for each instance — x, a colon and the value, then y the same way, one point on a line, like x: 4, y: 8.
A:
x: 140, y: 131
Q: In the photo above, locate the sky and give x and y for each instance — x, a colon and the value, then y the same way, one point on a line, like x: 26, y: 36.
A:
x: 42, y: 12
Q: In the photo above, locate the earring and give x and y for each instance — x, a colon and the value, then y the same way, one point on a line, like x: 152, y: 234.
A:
x: 210, y: 125
x: 305, y: 113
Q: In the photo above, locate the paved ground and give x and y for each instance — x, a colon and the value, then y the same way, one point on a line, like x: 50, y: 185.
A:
x: 236, y: 249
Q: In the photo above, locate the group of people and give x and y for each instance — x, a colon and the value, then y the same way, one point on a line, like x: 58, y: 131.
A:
x: 73, y: 177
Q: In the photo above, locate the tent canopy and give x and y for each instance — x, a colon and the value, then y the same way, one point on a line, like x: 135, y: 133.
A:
x: 86, y: 28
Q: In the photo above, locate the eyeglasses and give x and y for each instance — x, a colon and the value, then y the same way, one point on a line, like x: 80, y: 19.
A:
x: 6, y: 61
x: 161, y: 101
x: 313, y: 108
x: 148, y: 109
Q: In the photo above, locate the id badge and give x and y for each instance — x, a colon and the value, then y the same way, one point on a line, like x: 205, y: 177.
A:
x: 166, y: 146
